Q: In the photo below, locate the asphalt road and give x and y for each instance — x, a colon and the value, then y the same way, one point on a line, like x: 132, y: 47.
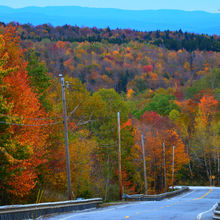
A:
x: 197, y: 203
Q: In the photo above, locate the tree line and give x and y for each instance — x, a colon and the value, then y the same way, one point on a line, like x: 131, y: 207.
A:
x: 172, y: 40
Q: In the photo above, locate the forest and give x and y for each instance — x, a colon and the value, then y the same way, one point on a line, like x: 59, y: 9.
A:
x: 164, y: 89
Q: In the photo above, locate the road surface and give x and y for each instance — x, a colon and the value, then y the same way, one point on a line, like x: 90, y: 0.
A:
x: 197, y: 203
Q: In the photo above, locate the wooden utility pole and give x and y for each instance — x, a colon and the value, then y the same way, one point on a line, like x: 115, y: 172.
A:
x: 164, y: 167
x: 66, y: 140
x: 144, y: 162
x: 173, y: 167
x: 108, y: 175
x: 119, y: 157
x: 218, y: 175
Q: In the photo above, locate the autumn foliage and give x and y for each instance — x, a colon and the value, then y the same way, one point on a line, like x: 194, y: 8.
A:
x: 25, y: 147
x: 169, y: 97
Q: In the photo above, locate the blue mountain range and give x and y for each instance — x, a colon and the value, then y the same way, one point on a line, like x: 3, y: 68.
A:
x: 144, y: 20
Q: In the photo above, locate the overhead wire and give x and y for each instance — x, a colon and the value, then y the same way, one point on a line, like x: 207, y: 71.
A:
x: 31, y: 125
x: 12, y: 116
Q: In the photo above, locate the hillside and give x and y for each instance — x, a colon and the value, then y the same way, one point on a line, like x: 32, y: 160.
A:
x: 97, y: 59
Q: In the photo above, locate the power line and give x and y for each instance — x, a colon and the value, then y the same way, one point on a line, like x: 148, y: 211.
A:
x: 12, y: 116
x: 107, y: 145
x: 30, y: 125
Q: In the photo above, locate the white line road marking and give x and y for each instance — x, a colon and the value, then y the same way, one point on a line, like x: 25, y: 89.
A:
x: 185, y: 195
x: 77, y: 214
x: 179, y: 197
x: 84, y: 213
x: 199, y: 216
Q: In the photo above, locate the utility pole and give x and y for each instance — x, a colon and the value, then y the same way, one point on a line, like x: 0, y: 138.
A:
x: 173, y: 168
x: 218, y: 175
x: 145, y: 172
x: 66, y: 139
x: 119, y: 157
x: 164, y: 165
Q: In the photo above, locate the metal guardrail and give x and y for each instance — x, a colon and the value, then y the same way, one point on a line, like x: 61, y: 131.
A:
x: 216, y: 213
x: 33, y: 211
x: 157, y: 197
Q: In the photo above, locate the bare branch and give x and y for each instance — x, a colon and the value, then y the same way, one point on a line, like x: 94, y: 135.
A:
x: 85, y: 122
x: 74, y: 110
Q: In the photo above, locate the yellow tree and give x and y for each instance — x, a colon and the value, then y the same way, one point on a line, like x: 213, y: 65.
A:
x: 203, y: 136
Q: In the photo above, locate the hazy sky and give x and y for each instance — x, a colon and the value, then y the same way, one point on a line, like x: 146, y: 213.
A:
x: 189, y: 5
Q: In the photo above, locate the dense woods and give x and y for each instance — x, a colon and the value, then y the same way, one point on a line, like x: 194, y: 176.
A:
x: 135, y: 65
x: 164, y: 89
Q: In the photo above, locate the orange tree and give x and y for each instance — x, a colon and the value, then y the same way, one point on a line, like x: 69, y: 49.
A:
x: 23, y: 140
x: 158, y: 130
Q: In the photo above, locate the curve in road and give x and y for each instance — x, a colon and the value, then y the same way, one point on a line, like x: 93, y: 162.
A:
x: 198, y: 204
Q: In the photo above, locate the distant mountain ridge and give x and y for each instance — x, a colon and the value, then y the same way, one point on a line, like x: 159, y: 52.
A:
x: 144, y: 20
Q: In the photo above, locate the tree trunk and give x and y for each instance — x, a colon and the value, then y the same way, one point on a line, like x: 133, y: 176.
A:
x: 206, y: 167
x: 189, y: 164
x: 210, y: 170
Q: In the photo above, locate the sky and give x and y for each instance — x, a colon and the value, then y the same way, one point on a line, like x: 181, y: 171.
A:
x: 188, y: 5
